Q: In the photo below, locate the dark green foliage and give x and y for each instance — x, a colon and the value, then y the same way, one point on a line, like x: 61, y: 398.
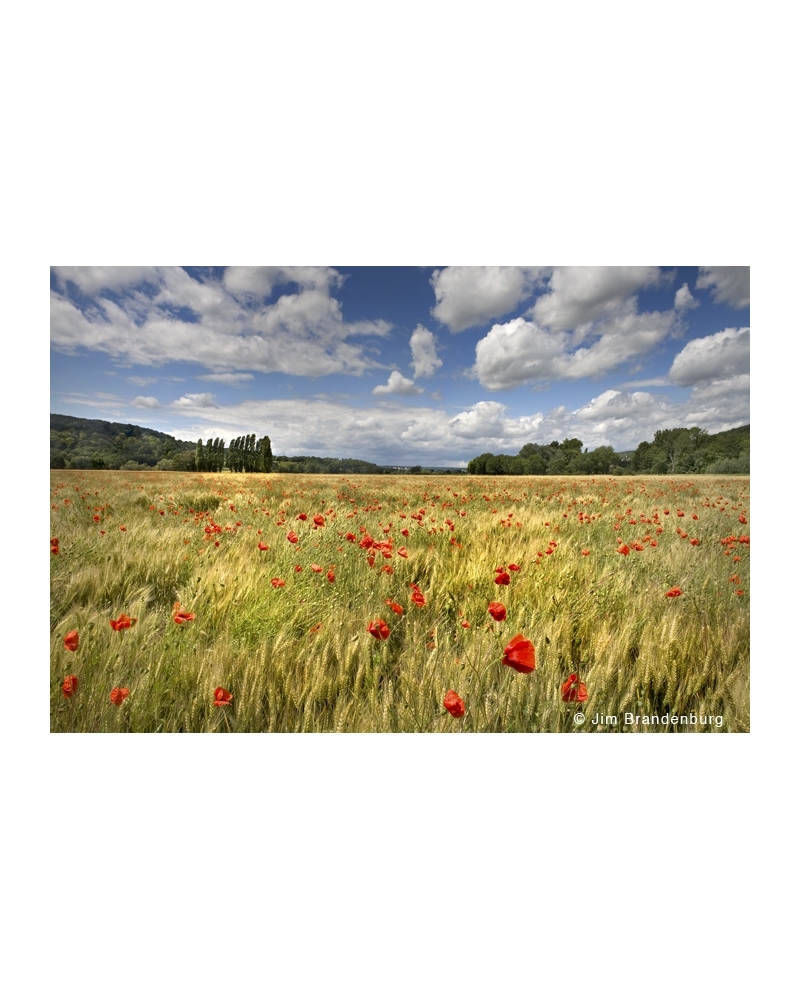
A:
x: 675, y: 451
x: 80, y: 443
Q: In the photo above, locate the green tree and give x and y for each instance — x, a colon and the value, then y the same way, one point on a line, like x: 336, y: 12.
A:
x: 264, y: 454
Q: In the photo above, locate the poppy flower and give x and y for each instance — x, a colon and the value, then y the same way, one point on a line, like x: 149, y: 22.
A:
x: 585, y: 552
x: 418, y: 598
x: 404, y: 532
x: 262, y: 547
x: 740, y: 593
x: 624, y: 550
x: 513, y: 567
x: 520, y: 655
x: 331, y: 576
x: 403, y: 552
x: 71, y: 638
x: 315, y: 628
x: 277, y: 582
x: 122, y: 622
x: 742, y: 519
x: 573, y: 689
x: 292, y: 537
x: 315, y: 568
x: 497, y: 611
x: 503, y: 579
x: 70, y: 686
x: 379, y: 629
x: 54, y: 546
x: 118, y: 695
x: 301, y: 517
x: 298, y: 568
x: 673, y: 592
x: 397, y: 608
x: 466, y: 625
x: 179, y: 616
x: 319, y: 520
x: 454, y: 704
x: 222, y: 697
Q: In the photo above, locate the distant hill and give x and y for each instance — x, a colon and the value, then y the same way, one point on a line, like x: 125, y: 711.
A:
x: 81, y: 443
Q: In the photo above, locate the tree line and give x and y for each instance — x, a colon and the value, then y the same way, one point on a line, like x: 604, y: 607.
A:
x: 676, y: 451
x: 80, y: 443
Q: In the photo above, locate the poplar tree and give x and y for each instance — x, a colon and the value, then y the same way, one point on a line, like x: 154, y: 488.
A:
x: 264, y: 455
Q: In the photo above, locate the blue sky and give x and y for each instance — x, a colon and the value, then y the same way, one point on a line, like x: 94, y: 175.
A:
x: 403, y: 365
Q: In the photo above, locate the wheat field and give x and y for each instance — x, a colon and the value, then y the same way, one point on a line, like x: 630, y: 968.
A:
x: 227, y: 634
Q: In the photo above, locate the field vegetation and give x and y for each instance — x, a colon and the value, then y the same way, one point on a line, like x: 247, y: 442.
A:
x: 187, y: 602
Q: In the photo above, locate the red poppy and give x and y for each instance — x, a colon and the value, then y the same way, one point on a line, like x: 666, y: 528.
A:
x: 54, y: 546
x: 71, y: 638
x: 319, y: 520
x: 418, y: 598
x: 222, y: 697
x: 292, y: 537
x: 122, y: 622
x: 497, y: 611
x: 331, y: 576
x: 70, y: 686
x: 404, y: 532
x: 277, y: 582
x: 350, y: 536
x: 520, y: 655
x: 298, y: 568
x: 454, y: 704
x: 397, y: 608
x: 585, y: 552
x: 742, y: 519
x: 118, y: 695
x: 674, y: 592
x: 503, y: 579
x: 466, y: 625
x: 403, y: 552
x: 315, y: 568
x: 315, y: 628
x: 262, y: 547
x: 379, y: 629
x: 301, y: 517
x: 624, y: 550
x: 514, y: 568
x: 740, y: 593
x: 731, y: 579
x: 179, y: 616
x: 573, y: 689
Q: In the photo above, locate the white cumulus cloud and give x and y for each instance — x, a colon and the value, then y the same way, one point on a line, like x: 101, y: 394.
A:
x: 149, y: 402
x: 397, y: 385
x: 579, y: 295
x: 684, y: 298
x: 721, y: 355
x: 181, y: 318
x: 521, y: 351
x: 730, y: 285
x: 471, y: 296
x: 423, y: 352
x: 201, y: 399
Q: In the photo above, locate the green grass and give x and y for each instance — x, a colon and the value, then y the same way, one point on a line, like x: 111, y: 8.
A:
x: 603, y: 616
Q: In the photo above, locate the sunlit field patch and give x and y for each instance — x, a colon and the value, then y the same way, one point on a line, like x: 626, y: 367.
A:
x: 185, y: 602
